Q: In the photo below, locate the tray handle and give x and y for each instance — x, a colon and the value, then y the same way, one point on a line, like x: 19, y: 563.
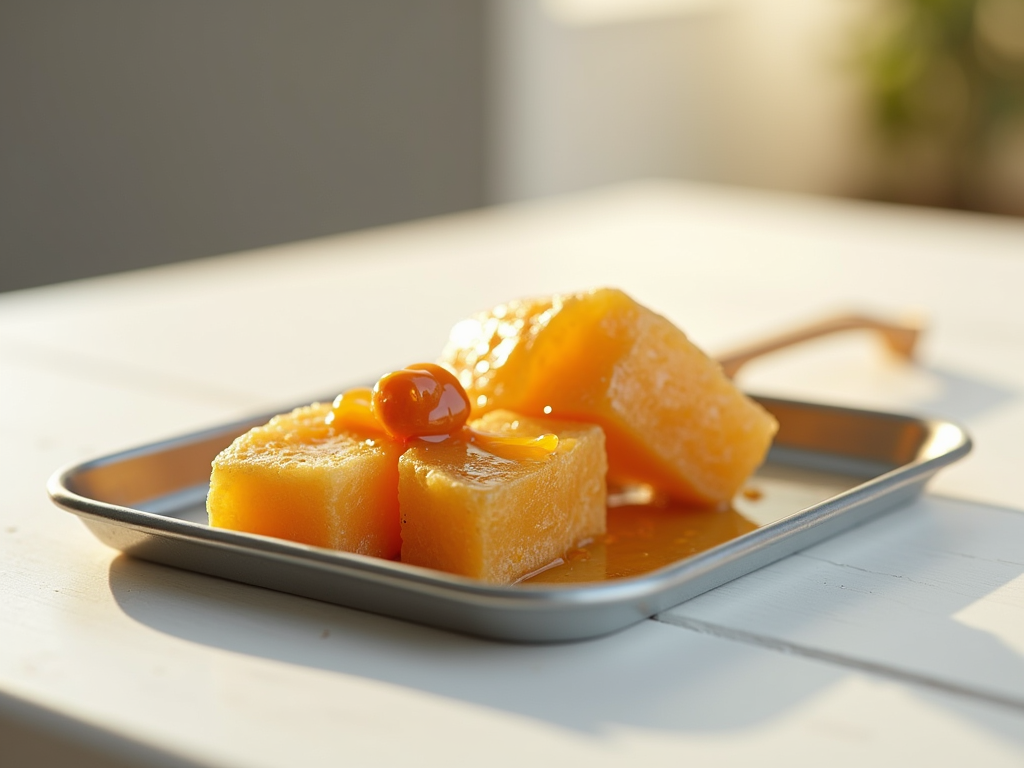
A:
x: 899, y: 336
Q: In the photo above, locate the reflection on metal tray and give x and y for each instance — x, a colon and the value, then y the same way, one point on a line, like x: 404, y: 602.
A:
x: 829, y: 469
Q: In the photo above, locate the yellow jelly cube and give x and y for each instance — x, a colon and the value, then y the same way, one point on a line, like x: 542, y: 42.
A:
x: 297, y: 478
x: 471, y: 512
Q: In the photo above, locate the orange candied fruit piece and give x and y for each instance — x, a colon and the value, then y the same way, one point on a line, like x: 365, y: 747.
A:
x: 671, y: 418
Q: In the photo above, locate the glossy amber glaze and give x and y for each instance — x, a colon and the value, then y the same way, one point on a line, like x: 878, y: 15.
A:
x: 425, y: 401
x: 642, y: 538
x: 352, y: 410
x: 515, y: 448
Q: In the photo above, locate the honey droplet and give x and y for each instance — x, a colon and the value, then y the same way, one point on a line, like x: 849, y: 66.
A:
x: 513, y: 447
x: 421, y: 400
x: 752, y: 494
x: 353, y: 410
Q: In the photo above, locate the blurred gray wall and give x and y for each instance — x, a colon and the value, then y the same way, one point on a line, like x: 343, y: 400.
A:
x: 137, y: 133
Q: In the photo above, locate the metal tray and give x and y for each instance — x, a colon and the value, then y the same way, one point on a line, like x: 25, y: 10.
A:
x: 830, y: 468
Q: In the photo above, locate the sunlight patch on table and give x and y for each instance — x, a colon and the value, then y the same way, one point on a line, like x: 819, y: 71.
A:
x: 852, y: 723
x: 1000, y: 613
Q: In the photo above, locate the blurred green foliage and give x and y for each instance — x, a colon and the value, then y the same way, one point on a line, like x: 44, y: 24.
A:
x: 945, y: 87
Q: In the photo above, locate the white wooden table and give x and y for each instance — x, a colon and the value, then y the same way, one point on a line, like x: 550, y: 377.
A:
x: 898, y: 643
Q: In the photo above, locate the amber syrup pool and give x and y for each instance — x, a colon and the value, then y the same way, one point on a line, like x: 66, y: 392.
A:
x: 643, y: 537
